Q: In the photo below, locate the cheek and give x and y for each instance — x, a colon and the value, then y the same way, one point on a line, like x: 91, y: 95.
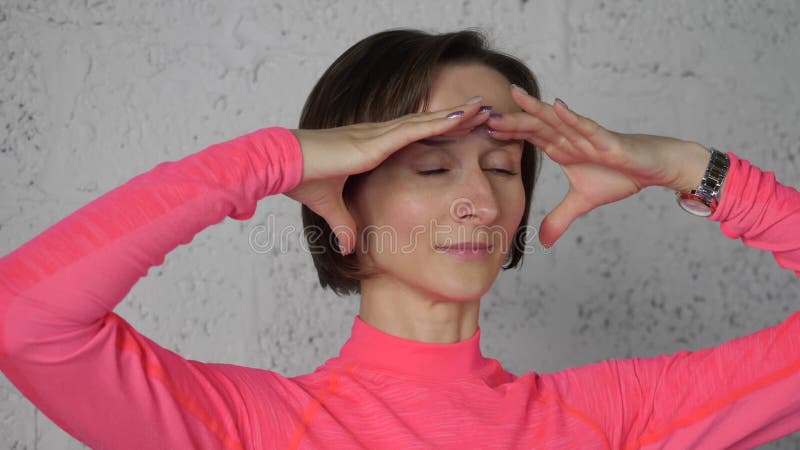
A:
x: 398, y: 209
x: 390, y: 220
x: 513, y: 209
x: 405, y: 215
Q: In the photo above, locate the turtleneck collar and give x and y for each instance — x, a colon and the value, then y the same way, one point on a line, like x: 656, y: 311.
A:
x: 369, y: 347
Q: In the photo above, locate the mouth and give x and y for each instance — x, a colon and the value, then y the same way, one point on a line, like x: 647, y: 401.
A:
x: 466, y: 247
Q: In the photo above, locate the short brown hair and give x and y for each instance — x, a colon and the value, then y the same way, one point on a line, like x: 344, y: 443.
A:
x: 385, y: 76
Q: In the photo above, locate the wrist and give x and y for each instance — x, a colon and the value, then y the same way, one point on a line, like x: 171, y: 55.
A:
x: 693, y: 161
x: 305, y: 139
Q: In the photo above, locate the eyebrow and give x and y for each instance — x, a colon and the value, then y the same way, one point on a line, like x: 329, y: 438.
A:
x: 441, y: 141
x: 444, y: 141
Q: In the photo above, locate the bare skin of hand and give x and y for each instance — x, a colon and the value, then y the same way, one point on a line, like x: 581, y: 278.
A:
x: 602, y: 166
x: 331, y: 155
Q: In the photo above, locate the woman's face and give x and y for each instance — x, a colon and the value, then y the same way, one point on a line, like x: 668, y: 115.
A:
x: 424, y: 210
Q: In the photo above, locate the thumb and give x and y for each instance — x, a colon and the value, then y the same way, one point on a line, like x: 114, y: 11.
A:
x: 343, y: 226
x: 556, y: 222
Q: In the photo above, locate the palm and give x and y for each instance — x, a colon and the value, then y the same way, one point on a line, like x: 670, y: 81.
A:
x: 331, y: 155
x: 321, y: 195
x: 593, y: 185
x: 611, y: 168
x: 602, y: 166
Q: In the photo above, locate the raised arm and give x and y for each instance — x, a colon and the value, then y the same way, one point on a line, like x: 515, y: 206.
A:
x: 84, y: 366
x: 97, y: 377
x: 761, y: 212
x: 603, y: 167
x: 740, y: 394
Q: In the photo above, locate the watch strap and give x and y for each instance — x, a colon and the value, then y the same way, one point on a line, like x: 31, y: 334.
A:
x: 710, y: 186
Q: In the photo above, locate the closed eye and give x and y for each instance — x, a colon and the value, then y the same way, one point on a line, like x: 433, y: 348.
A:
x: 503, y: 171
x: 440, y: 171
x: 432, y: 172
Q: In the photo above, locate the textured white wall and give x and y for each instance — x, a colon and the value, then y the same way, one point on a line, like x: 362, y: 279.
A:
x: 93, y: 93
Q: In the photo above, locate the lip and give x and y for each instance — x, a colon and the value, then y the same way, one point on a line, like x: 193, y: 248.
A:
x: 466, y: 250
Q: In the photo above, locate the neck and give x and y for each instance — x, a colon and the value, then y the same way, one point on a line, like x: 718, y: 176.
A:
x: 400, y: 310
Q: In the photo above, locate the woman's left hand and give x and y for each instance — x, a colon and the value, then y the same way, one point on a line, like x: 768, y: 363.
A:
x: 602, y: 166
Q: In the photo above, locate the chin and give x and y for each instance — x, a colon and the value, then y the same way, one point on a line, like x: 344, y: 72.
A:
x: 467, y: 280
x: 461, y: 287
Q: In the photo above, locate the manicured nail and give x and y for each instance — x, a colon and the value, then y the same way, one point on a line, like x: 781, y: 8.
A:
x: 495, y: 116
x: 519, y: 88
x: 484, y: 109
x: 474, y: 100
x: 558, y: 100
x: 455, y: 115
x: 491, y: 130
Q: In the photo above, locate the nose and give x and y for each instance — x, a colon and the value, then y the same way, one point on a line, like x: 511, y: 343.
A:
x: 475, y: 201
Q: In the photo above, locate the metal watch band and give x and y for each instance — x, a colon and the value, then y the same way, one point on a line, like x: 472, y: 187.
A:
x: 703, y: 200
x: 715, y: 174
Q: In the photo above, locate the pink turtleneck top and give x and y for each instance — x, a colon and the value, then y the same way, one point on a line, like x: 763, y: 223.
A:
x: 107, y: 385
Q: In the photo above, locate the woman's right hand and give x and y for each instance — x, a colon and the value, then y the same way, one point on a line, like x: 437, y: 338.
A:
x: 331, y: 155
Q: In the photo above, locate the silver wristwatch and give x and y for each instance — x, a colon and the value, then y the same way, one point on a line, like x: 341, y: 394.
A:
x: 703, y: 200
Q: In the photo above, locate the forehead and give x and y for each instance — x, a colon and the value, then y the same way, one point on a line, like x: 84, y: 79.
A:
x: 477, y: 140
x: 453, y: 84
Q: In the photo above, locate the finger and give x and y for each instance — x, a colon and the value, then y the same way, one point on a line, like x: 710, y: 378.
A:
x: 520, y: 125
x: 556, y: 222
x: 518, y: 135
x: 516, y: 121
x: 469, y: 125
x: 475, y: 121
x: 463, y: 112
x: 523, y: 124
x: 546, y: 114
x: 600, y: 138
x: 380, y: 140
x: 425, y: 125
x: 510, y: 135
x: 342, y: 224
x: 470, y: 108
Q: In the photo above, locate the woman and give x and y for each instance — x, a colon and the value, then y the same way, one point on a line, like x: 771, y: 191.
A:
x: 423, y: 136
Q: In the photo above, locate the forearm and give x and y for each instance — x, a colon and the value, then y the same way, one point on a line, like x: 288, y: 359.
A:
x: 752, y: 204
x: 760, y: 211
x: 81, y: 267
x: 692, y: 160
x: 86, y: 368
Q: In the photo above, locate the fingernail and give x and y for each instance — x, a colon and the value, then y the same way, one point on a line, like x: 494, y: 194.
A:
x: 558, y: 100
x: 484, y: 109
x: 519, y: 88
x: 491, y: 130
x: 474, y: 100
x: 455, y: 115
x: 495, y: 116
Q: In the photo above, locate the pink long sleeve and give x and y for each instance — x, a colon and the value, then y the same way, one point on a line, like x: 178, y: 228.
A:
x: 761, y: 212
x: 84, y: 366
x: 112, y: 388
x: 740, y: 394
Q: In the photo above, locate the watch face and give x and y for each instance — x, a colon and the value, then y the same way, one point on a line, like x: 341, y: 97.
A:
x: 694, y: 206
